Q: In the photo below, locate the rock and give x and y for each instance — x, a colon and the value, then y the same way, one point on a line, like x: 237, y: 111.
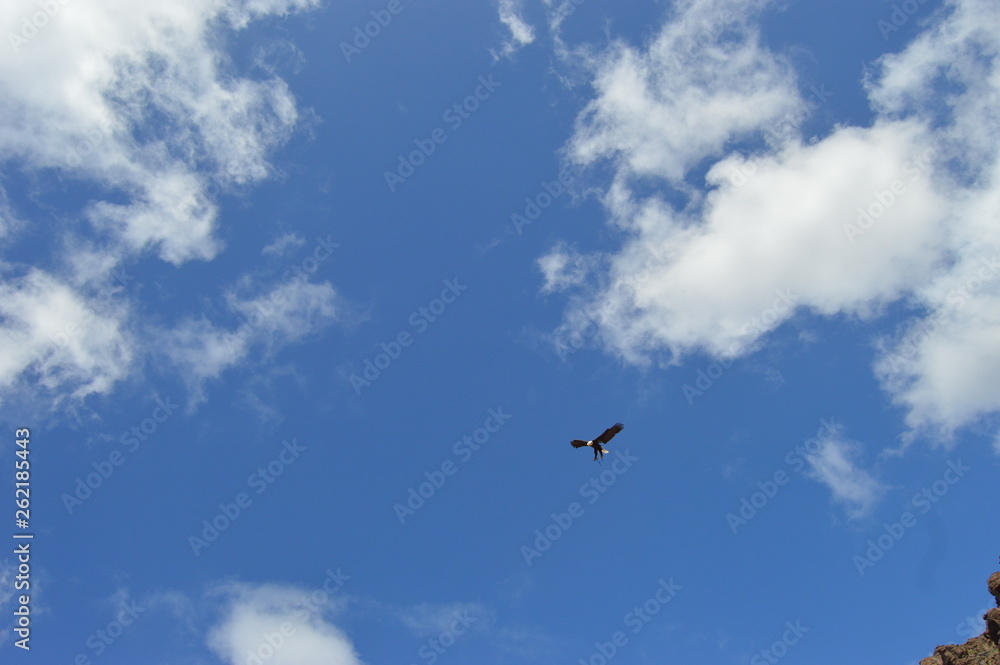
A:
x: 981, y: 650
x: 977, y: 651
x: 993, y: 625
x: 993, y: 584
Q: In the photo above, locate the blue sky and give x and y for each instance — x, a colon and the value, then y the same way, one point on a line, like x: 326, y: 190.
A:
x: 302, y: 323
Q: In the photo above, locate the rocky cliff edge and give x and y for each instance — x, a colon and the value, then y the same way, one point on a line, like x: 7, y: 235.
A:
x: 981, y: 650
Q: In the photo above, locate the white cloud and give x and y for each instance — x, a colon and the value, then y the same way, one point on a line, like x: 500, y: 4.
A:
x: 138, y: 101
x: 835, y: 465
x: 281, y: 621
x: 60, y: 340
x: 283, y: 624
x: 83, y: 94
x: 521, y: 33
x: 290, y: 311
x: 943, y: 364
x: 562, y: 268
x: 201, y: 350
x: 283, y: 244
x: 901, y: 210
x: 684, y: 282
x: 662, y: 109
x: 943, y: 367
x: 960, y: 50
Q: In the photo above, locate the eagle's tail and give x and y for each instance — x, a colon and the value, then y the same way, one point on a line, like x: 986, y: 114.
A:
x: 577, y: 443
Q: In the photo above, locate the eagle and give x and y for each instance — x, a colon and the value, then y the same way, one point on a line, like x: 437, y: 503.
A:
x: 608, y: 434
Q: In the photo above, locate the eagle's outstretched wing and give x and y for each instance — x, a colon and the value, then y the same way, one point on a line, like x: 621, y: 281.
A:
x: 578, y: 443
x: 609, y: 433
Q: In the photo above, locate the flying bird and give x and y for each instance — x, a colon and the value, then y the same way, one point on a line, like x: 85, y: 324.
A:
x: 608, y: 434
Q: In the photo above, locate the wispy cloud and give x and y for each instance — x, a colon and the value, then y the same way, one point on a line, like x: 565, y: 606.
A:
x: 562, y: 268
x: 433, y: 618
x: 521, y: 33
x: 284, y: 244
x: 201, y: 350
x: 835, y: 464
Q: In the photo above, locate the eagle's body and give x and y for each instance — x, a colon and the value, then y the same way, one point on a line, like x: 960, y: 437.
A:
x: 596, y: 444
